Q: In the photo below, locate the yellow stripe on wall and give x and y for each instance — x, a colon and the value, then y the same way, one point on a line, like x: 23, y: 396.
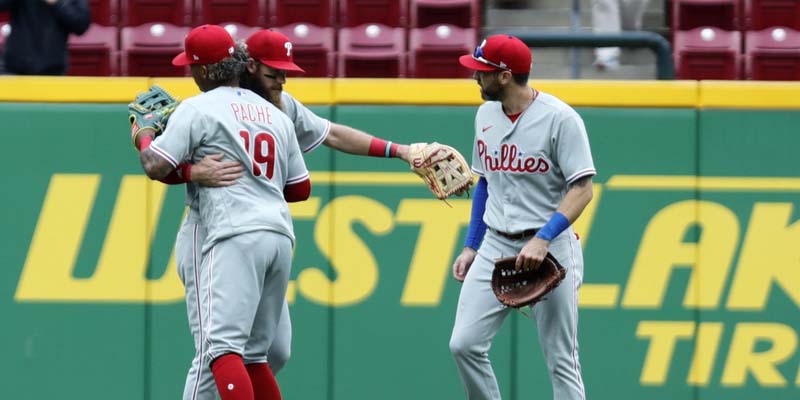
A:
x: 366, y: 178
x: 323, y: 91
x: 407, y: 91
x: 70, y: 89
x: 180, y: 88
x: 308, y: 90
x: 735, y: 94
x: 705, y: 183
x: 583, y: 93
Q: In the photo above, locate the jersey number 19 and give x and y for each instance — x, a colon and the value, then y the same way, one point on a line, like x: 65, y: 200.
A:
x: 262, y: 153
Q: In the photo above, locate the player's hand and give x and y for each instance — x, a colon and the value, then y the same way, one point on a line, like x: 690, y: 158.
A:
x: 402, y: 152
x: 211, y: 171
x: 463, y: 262
x: 532, y: 254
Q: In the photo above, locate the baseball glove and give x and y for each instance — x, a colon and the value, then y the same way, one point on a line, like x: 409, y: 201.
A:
x: 150, y: 109
x: 442, y: 167
x: 519, y: 288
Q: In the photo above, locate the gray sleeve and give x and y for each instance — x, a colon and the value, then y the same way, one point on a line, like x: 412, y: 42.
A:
x: 573, y: 155
x: 311, y: 129
x: 297, y: 171
x: 182, y: 136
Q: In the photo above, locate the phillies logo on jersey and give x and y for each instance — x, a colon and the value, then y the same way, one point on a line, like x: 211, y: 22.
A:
x: 510, y: 159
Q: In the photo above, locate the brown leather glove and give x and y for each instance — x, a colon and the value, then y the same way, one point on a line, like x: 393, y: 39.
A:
x: 442, y: 167
x: 519, y: 288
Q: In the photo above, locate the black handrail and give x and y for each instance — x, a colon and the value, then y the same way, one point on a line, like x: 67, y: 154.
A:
x: 664, y: 63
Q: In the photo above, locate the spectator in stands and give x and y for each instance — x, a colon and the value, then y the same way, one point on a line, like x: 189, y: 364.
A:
x: 613, y: 16
x: 37, y: 44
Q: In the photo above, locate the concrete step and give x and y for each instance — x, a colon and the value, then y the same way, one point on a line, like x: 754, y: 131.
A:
x: 557, y: 13
x: 625, y: 72
x: 557, y: 18
x: 630, y: 56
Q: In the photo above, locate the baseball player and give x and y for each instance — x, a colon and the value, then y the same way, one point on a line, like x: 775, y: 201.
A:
x: 532, y: 155
x: 246, y: 252
x: 270, y: 58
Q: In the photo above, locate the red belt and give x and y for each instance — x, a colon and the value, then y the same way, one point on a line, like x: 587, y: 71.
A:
x: 516, y: 236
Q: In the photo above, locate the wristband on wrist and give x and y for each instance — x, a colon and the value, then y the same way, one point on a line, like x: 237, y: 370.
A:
x: 186, y: 172
x: 391, y: 149
x: 558, y: 222
x: 144, y: 142
x: 382, y: 148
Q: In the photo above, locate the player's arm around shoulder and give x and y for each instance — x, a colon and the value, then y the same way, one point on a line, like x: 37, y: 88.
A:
x: 354, y: 141
x: 155, y: 166
x: 178, y: 140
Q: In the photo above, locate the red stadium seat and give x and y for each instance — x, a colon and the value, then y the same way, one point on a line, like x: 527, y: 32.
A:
x: 463, y: 13
x: 138, y: 12
x: 94, y: 53
x: 773, y: 54
x: 315, y: 12
x: 690, y: 14
x: 372, y: 51
x: 313, y: 49
x: 245, y: 12
x: 708, y: 53
x: 432, y: 51
x: 239, y: 31
x: 148, y: 50
x: 385, y: 12
x: 104, y: 12
x: 762, y: 14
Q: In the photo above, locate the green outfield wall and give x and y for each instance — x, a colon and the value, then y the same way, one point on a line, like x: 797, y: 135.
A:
x: 692, y: 276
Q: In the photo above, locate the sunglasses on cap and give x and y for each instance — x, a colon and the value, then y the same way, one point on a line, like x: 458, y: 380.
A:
x: 478, y: 55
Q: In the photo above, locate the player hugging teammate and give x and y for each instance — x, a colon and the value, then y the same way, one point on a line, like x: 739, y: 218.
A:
x: 228, y: 162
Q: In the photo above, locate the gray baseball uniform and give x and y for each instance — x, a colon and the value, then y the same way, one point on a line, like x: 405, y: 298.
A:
x: 528, y: 165
x: 311, y: 131
x: 233, y: 221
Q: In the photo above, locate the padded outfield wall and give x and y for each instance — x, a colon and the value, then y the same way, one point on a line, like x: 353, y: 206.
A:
x: 692, y: 279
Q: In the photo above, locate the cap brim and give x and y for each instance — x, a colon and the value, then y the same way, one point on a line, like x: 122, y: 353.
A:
x: 282, y: 65
x: 471, y: 63
x: 181, y: 60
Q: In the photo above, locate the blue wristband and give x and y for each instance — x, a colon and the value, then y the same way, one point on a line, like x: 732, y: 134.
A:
x: 558, y: 222
x: 388, y: 151
x: 477, y: 228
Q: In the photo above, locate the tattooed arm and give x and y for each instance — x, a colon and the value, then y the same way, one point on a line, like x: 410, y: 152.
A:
x: 578, y: 196
x: 155, y: 166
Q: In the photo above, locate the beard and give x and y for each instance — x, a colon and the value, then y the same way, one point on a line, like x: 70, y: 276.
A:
x: 247, y: 81
x: 492, y: 94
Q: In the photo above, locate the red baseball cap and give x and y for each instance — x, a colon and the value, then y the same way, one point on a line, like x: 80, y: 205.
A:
x: 206, y: 44
x: 499, y: 52
x: 272, y: 49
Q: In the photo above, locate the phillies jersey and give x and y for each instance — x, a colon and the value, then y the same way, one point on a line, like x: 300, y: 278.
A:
x: 529, y: 163
x: 244, y: 127
x: 311, y: 129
